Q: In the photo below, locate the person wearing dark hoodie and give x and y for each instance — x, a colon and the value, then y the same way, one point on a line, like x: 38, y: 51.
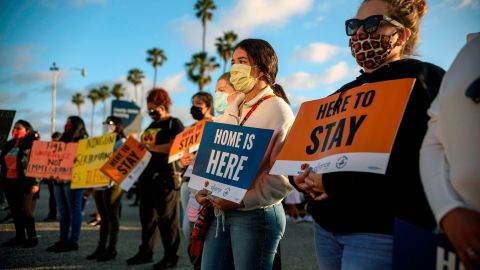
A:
x: 19, y: 189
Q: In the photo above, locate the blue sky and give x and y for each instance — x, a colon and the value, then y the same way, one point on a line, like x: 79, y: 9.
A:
x: 109, y: 37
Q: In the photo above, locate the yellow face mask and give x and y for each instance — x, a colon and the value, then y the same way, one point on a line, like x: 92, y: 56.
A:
x: 241, y: 79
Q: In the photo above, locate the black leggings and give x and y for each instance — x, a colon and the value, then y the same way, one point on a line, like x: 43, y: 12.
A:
x: 20, y: 201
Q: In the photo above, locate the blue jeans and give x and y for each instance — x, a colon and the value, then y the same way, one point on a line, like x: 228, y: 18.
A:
x: 69, y: 203
x: 353, y: 250
x: 248, y: 242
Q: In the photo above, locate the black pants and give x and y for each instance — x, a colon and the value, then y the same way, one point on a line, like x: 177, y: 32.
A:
x: 108, y: 206
x: 52, y: 203
x: 159, y: 208
x: 20, y: 198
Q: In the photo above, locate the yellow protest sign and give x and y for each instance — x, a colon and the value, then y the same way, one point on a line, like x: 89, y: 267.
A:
x: 51, y: 159
x: 187, y: 140
x: 127, y: 163
x: 91, y: 155
x: 349, y: 131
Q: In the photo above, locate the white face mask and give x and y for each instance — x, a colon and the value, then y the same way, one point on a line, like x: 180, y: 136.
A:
x: 241, y: 79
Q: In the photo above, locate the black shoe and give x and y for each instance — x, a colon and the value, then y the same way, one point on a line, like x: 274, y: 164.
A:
x: 15, y: 241
x: 66, y: 247
x: 50, y: 219
x: 96, y: 254
x: 107, y: 256
x: 56, y: 246
x: 140, y: 258
x: 30, y: 242
x: 166, y: 263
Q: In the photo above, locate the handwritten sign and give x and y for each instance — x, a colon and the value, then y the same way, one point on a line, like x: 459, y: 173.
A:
x: 127, y: 163
x: 52, y: 159
x: 349, y: 131
x: 92, y: 153
x: 416, y: 248
x: 6, y: 120
x: 188, y: 140
x: 228, y: 159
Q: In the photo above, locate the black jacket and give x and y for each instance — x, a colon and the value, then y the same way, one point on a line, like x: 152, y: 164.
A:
x: 24, y: 148
x: 368, y: 202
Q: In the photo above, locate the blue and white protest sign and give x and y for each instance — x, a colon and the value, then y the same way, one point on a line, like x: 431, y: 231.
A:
x: 416, y: 248
x: 130, y: 114
x: 228, y: 159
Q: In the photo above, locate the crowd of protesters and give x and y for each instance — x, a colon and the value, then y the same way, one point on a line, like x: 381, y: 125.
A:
x: 432, y: 179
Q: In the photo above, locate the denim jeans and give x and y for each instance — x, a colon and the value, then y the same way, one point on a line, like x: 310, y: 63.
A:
x: 249, y: 241
x: 69, y: 203
x: 353, y: 250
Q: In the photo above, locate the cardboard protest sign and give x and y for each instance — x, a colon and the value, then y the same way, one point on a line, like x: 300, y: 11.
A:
x: 228, y: 159
x: 187, y: 140
x: 6, y: 120
x: 91, y: 155
x: 127, y: 163
x: 416, y: 248
x: 52, y: 159
x: 349, y: 131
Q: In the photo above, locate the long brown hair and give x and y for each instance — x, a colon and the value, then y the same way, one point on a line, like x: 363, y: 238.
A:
x: 264, y: 57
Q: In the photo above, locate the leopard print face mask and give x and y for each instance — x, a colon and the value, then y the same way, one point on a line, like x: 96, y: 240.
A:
x: 371, y: 50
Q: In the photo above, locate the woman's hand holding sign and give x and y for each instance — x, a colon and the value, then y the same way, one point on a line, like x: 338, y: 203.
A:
x: 311, y: 183
x: 224, y: 205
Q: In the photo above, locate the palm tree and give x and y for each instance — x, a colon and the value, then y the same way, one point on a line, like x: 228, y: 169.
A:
x: 135, y: 76
x: 204, y: 8
x: 118, y: 91
x: 94, y: 96
x: 78, y: 99
x: 225, y: 46
x: 104, y: 93
x: 156, y: 57
x: 199, y: 69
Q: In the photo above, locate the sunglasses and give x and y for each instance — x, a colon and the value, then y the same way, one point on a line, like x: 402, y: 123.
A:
x: 153, y: 113
x: 370, y: 24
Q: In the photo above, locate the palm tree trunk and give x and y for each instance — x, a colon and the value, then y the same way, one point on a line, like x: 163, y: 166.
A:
x: 204, y: 36
x: 224, y: 65
x: 78, y: 108
x: 104, y: 109
x: 91, y: 124
x: 136, y: 94
x: 155, y: 78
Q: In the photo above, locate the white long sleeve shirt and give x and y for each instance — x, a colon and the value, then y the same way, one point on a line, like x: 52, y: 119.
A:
x: 273, y: 113
x: 450, y: 154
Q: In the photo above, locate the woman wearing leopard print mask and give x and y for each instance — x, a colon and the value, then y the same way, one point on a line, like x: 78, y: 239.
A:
x: 355, y: 211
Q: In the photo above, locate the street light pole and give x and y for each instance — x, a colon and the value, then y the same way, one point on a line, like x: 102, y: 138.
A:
x: 55, y: 71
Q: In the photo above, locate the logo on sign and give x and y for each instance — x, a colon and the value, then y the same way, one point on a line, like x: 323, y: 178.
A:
x: 342, y: 162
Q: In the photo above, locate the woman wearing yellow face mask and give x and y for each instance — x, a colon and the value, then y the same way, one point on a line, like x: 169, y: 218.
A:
x: 250, y: 231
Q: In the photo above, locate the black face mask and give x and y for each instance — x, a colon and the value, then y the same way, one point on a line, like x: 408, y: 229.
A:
x: 155, y: 115
x: 196, y: 113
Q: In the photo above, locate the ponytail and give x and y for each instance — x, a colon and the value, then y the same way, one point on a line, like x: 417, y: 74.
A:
x: 279, y: 92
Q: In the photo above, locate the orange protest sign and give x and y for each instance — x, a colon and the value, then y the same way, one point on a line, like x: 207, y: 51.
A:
x: 127, y: 163
x: 187, y: 140
x: 52, y: 159
x: 349, y: 131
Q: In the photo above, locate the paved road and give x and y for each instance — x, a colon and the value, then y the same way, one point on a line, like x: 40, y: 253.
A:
x: 296, y: 247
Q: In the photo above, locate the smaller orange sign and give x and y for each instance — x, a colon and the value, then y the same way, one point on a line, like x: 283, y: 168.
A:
x: 188, y: 140
x: 128, y: 162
